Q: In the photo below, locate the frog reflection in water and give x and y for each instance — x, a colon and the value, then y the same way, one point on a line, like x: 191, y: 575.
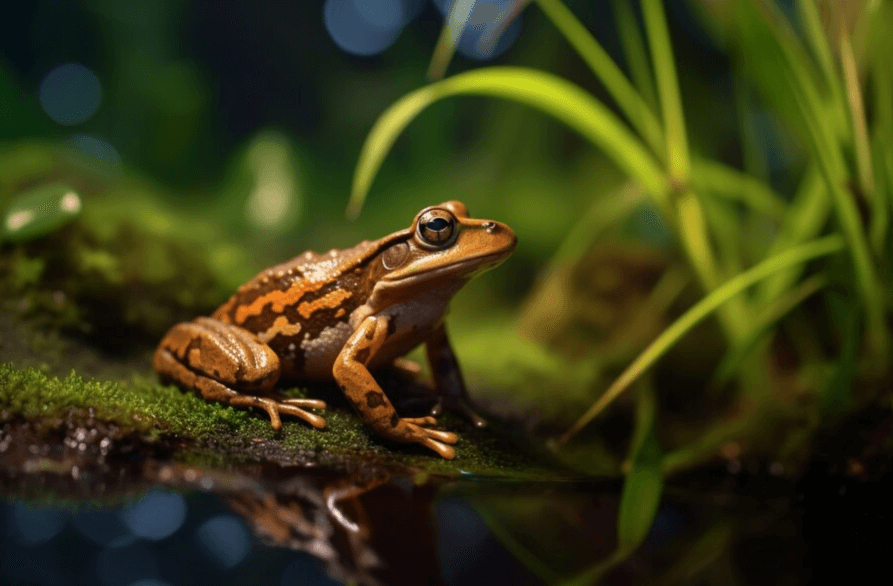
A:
x: 340, y: 315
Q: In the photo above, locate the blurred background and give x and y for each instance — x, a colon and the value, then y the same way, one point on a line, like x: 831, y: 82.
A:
x: 235, y: 128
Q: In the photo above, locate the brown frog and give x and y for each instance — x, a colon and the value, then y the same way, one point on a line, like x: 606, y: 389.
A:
x: 340, y: 315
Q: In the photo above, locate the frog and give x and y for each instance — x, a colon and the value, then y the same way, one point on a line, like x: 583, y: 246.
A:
x: 343, y: 315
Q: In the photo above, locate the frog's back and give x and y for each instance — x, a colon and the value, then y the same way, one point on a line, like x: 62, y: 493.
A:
x: 301, y: 308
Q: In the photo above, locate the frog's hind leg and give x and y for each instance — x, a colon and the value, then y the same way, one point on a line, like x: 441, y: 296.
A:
x: 213, y: 357
x: 448, y: 378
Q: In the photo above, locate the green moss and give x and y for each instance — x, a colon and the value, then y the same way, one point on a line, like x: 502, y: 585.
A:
x: 223, y: 435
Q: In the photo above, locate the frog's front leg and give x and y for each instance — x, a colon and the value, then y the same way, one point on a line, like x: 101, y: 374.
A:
x: 228, y: 364
x: 448, y: 378
x: 370, y: 401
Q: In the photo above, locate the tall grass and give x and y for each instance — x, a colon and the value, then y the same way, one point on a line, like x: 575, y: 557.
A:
x: 816, y: 77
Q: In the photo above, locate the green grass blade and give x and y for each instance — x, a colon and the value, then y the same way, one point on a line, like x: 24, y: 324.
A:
x: 696, y: 243
x: 777, y: 61
x: 864, y: 167
x: 642, y: 490
x: 735, y: 286
x: 722, y: 180
x: 644, y: 481
x: 636, y: 53
x: 830, y: 163
x: 667, y: 90
x: 622, y: 91
x: 824, y: 141
x: 515, y: 547
x: 772, y: 314
x: 836, y: 396
x: 728, y: 234
x: 546, y: 92
x: 453, y: 25
x: 807, y: 216
x: 487, y: 43
x: 815, y: 36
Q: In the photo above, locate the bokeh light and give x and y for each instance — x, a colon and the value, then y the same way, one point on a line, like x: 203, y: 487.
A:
x: 487, y: 17
x: 224, y: 539
x: 364, y: 27
x: 158, y: 515
x: 95, y: 150
x: 104, y: 527
x: 70, y: 94
x: 34, y: 526
x: 276, y: 195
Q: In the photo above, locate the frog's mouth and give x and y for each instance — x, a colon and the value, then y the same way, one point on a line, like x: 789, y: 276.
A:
x: 466, y: 268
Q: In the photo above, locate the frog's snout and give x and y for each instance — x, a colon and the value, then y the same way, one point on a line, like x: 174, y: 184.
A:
x: 502, y: 234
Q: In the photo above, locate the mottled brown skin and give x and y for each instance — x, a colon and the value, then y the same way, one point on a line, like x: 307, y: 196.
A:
x: 338, y: 315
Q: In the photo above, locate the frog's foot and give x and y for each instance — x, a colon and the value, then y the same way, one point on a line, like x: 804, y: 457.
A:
x: 288, y: 407
x: 459, y: 405
x: 412, y: 430
x: 305, y: 403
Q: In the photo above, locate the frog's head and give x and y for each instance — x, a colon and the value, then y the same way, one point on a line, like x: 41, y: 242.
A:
x: 445, y: 245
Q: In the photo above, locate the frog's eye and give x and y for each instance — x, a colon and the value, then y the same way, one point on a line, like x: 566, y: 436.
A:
x: 437, y: 228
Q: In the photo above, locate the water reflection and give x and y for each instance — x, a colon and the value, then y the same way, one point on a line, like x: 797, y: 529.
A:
x: 103, y: 527
x: 224, y: 539
x: 34, y: 526
x: 124, y: 565
x: 270, y: 525
x: 156, y: 516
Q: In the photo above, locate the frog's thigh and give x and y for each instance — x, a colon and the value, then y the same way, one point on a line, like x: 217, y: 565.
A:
x: 210, y: 356
x: 222, y: 352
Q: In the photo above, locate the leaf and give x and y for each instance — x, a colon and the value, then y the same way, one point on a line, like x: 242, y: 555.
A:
x: 641, y: 493
x: 636, y: 110
x: 39, y: 212
x: 735, y: 286
x: 453, y: 26
x: 667, y: 89
x: 644, y: 482
x: 719, y: 179
x: 771, y: 314
x: 548, y: 93
x: 806, y: 218
x: 837, y: 395
x: 635, y: 51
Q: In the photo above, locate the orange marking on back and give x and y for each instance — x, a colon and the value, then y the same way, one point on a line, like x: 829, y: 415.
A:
x: 330, y: 300
x: 279, y: 299
x: 280, y: 326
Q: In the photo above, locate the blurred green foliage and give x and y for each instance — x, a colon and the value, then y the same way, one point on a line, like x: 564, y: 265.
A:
x: 716, y: 211
x: 809, y: 73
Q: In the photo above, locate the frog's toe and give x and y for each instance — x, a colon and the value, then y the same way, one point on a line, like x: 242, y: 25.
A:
x: 446, y: 437
x: 443, y: 450
x: 475, y: 419
x: 305, y: 403
x: 421, y: 420
x: 267, y: 405
x: 311, y: 418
